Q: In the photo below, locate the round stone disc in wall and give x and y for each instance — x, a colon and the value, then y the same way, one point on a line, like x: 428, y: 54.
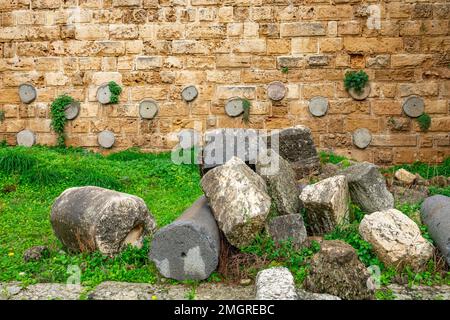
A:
x: 27, y: 93
x: 362, y: 138
x: 234, y: 107
x: 72, y: 110
x: 189, y: 93
x: 148, y: 109
x: 26, y: 138
x: 414, y: 106
x: 106, y: 139
x: 104, y: 94
x: 276, y: 91
x: 318, y: 106
x: 361, y: 95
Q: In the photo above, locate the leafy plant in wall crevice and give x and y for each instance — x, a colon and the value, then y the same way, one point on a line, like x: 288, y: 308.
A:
x: 116, y: 90
x: 246, y: 105
x: 356, y: 80
x: 424, y: 122
x: 59, y: 119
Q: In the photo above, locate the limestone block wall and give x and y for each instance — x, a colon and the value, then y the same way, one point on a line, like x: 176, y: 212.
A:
x: 226, y: 49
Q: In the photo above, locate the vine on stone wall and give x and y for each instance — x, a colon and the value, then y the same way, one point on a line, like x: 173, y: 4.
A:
x: 246, y: 106
x: 59, y: 119
x: 116, y: 90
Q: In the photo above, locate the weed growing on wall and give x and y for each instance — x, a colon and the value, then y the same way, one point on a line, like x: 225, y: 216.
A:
x: 246, y: 105
x: 356, y: 80
x: 59, y: 117
x: 116, y: 90
x: 424, y: 122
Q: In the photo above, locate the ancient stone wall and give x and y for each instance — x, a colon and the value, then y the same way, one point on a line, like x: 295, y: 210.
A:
x: 230, y: 48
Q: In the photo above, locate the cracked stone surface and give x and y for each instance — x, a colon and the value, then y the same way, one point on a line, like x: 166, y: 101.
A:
x: 406, y: 292
x: 40, y: 291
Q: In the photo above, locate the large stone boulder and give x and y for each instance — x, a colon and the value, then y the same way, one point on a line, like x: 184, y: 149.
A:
x: 188, y: 249
x: 326, y: 204
x: 91, y: 218
x: 396, y: 239
x: 275, y: 284
x: 368, y: 187
x: 336, y: 270
x: 435, y: 214
x: 288, y: 228
x: 239, y: 200
x: 281, y: 183
x: 296, y: 145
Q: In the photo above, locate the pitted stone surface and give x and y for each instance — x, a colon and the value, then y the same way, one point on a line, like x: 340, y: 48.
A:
x: 396, y: 239
x: 318, y: 106
x: 414, y: 106
x: 106, y: 139
x: 289, y: 227
x: 407, y: 292
x: 275, y: 284
x: 40, y: 291
x: 435, y: 214
x: 276, y: 91
x: 362, y: 138
x: 189, y: 93
x: 326, y: 204
x: 188, y: 249
x: 26, y: 138
x: 27, y: 93
x: 86, y: 219
x: 239, y: 200
x: 305, y: 295
x: 72, y: 110
x: 148, y: 109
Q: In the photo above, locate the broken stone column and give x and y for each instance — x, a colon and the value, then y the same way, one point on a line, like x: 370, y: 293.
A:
x: 435, y: 214
x: 188, y: 249
x: 296, y: 146
x: 368, y: 187
x: 326, y: 204
x: 86, y: 219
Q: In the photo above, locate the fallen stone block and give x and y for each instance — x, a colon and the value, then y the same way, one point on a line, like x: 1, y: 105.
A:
x: 275, y: 284
x: 86, y: 219
x: 368, y: 187
x: 326, y: 204
x: 239, y: 200
x: 435, y: 214
x: 289, y: 227
x: 188, y: 249
x: 404, y: 177
x: 396, y: 239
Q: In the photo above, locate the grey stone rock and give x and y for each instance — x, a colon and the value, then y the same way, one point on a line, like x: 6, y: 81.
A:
x: 188, y: 249
x: 288, y: 227
x: 189, y: 93
x: 92, y: 218
x: 326, y: 204
x: 396, y: 239
x: 106, y: 139
x: 26, y: 138
x: 368, y: 187
x: 148, y: 109
x: 328, y: 170
x: 414, y: 106
x: 27, y: 93
x: 318, y: 60
x: 296, y: 145
x: 275, y: 284
x: 281, y: 183
x: 336, y: 270
x: 305, y: 295
x: 440, y: 181
x: 362, y: 138
x: 435, y: 212
x: 234, y: 107
x: 406, y: 292
x: 276, y: 91
x: 47, y: 291
x: 318, y: 106
x: 412, y: 195
x: 36, y: 253
x: 239, y: 200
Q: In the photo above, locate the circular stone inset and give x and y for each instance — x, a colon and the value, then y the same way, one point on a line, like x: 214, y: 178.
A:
x: 188, y: 138
x: 72, y: 110
x: 26, y: 138
x: 104, y: 94
x: 362, y: 138
x: 27, y: 93
x: 106, y: 139
x: 234, y: 107
x: 318, y: 106
x: 361, y: 95
x: 414, y: 106
x: 148, y: 109
x: 189, y: 93
x: 276, y: 91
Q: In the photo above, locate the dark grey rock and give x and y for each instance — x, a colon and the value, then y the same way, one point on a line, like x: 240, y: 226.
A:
x: 435, y: 214
x: 368, y: 187
x: 275, y: 284
x: 188, y: 249
x: 36, y: 253
x: 91, y: 218
x: 281, y: 183
x: 412, y: 195
x: 336, y: 270
x: 318, y: 60
x: 288, y: 227
x: 296, y: 145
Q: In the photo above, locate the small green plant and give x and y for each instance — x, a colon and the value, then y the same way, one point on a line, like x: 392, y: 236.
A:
x: 2, y: 115
x: 424, y: 122
x: 59, y: 118
x: 116, y: 90
x: 285, y: 69
x: 246, y: 105
x: 356, y: 80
